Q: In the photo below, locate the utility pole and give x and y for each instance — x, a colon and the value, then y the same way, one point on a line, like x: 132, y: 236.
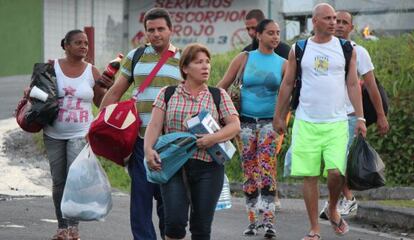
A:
x: 278, y: 16
x: 330, y: 2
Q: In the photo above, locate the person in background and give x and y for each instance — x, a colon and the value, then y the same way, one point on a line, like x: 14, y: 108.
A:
x: 65, y: 137
x: 158, y: 30
x: 199, y: 182
x: 263, y: 74
x: 365, y: 69
x: 253, y: 17
x: 320, y: 129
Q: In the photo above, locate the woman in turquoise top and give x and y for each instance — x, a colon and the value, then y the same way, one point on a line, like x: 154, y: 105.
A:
x: 261, y: 81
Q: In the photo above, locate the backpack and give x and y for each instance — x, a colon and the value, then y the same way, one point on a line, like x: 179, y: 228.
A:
x: 215, y: 92
x: 300, y: 51
x: 370, y: 114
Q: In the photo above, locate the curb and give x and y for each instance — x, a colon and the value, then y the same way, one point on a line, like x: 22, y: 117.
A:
x: 385, y: 215
x: 369, y: 212
x: 294, y: 190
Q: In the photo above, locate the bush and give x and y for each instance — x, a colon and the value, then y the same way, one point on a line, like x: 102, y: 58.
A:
x: 397, y: 148
x: 394, y: 67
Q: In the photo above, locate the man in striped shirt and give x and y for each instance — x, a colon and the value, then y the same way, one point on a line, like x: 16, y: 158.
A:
x: 158, y: 29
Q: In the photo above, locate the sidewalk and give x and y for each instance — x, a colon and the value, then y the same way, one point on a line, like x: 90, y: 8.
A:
x: 368, y: 211
x: 386, y: 216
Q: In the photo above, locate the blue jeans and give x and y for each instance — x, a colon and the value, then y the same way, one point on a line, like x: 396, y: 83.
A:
x: 61, y: 154
x: 204, y: 184
x: 142, y: 195
x: 352, y: 120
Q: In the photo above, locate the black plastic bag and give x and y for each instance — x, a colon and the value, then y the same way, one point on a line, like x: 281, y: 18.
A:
x: 365, y: 169
x: 44, y: 77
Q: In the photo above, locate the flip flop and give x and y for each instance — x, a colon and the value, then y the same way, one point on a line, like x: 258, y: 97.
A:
x: 340, y: 228
x: 314, y: 236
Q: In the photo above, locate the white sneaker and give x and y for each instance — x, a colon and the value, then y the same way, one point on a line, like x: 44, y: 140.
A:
x: 347, y: 206
x: 322, y: 214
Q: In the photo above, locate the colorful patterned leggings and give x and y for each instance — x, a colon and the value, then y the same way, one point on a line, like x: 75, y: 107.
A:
x: 258, y: 155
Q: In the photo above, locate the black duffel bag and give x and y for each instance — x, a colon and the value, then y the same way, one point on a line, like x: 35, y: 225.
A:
x: 370, y: 114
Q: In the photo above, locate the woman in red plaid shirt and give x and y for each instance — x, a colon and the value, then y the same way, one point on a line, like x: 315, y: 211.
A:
x: 200, y: 180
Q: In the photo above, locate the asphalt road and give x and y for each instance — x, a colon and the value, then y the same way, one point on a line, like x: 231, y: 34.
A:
x: 11, y: 91
x: 34, y: 219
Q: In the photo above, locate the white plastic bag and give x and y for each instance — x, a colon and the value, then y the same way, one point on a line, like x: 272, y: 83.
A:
x: 87, y: 193
x: 224, y: 201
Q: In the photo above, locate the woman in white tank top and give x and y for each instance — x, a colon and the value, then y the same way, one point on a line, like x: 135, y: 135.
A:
x: 65, y: 138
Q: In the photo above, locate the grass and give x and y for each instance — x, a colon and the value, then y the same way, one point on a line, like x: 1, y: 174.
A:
x: 38, y: 139
x: 118, y: 176
x: 398, y: 203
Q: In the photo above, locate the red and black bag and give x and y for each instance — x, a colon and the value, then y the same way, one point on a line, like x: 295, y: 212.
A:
x: 21, y: 111
x: 31, y: 113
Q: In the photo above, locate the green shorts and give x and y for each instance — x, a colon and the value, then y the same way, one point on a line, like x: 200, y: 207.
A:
x: 313, y: 141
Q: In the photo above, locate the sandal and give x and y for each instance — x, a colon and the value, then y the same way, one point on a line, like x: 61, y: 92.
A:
x: 340, y: 228
x: 61, y: 234
x: 312, y: 236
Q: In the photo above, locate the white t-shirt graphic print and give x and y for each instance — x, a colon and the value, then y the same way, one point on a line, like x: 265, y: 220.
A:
x: 75, y: 105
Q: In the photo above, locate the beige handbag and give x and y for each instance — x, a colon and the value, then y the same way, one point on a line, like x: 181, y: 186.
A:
x: 235, y: 87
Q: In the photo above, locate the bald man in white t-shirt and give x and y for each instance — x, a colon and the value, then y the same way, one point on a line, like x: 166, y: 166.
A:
x: 321, y: 127
x: 365, y: 70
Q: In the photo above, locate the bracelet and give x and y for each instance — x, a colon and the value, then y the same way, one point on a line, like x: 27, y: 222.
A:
x: 362, y: 119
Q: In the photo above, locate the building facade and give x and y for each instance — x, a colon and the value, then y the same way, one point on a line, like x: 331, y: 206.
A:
x: 32, y: 30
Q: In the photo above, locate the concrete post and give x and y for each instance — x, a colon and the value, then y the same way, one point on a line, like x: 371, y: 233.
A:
x: 277, y: 15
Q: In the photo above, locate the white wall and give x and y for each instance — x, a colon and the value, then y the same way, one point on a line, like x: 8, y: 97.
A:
x: 61, y: 16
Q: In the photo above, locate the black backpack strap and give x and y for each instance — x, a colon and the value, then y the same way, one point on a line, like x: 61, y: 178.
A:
x: 347, y: 49
x: 169, y: 91
x: 215, y: 92
x: 137, y: 55
x: 299, y: 51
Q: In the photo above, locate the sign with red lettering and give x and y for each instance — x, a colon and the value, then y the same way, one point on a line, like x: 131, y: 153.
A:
x: 218, y: 24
